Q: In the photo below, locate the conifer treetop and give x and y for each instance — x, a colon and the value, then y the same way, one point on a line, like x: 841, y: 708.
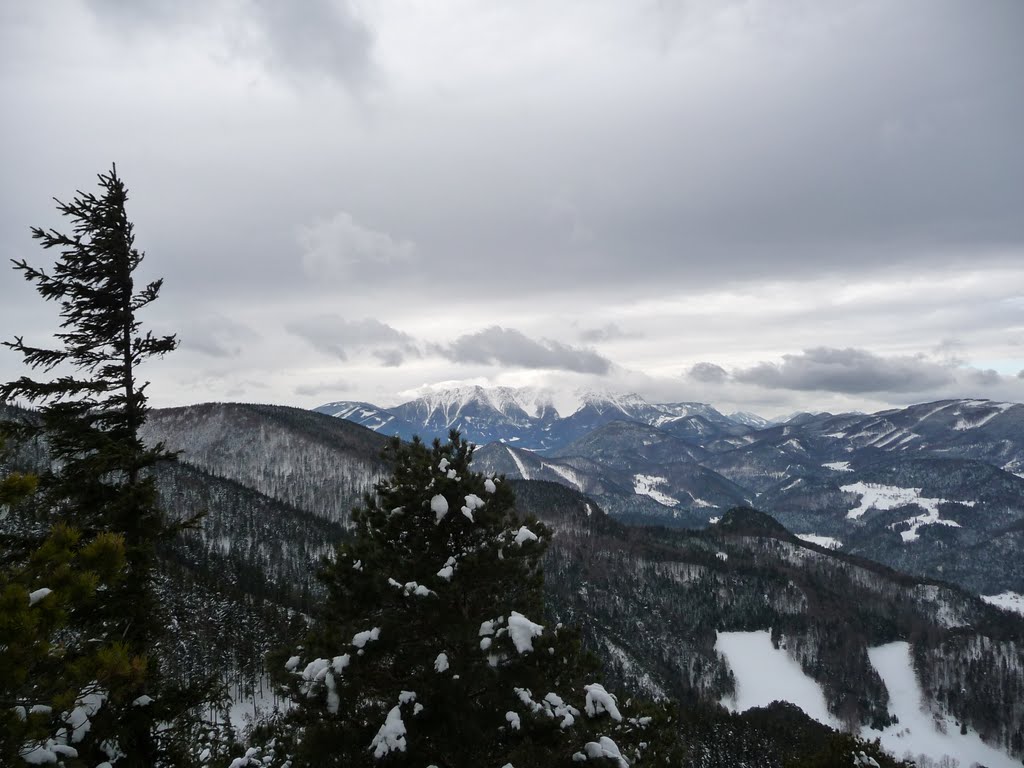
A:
x: 434, y: 647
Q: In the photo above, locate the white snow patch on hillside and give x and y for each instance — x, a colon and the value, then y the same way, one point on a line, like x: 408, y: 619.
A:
x: 916, y: 730
x: 765, y: 674
x: 884, y: 497
x: 564, y: 472
x: 246, y: 707
x: 519, y: 464
x: 646, y: 485
x: 838, y: 466
x: 934, y: 411
x: 963, y: 424
x: 702, y: 502
x: 931, y: 517
x: 822, y: 541
x: 1008, y: 601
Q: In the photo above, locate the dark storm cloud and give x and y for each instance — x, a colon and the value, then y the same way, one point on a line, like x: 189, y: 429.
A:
x: 334, y: 335
x: 709, y: 373
x: 507, y: 346
x: 847, y: 371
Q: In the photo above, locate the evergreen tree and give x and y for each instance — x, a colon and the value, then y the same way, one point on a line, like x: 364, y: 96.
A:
x: 432, y: 649
x: 90, y: 409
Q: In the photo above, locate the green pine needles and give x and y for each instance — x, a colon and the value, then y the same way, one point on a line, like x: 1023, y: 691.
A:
x: 434, y: 649
x: 100, y: 629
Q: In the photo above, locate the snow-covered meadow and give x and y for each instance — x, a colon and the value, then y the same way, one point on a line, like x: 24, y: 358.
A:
x: 765, y: 674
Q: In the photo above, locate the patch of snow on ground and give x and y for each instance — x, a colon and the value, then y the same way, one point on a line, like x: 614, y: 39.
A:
x: 567, y: 474
x: 884, y: 497
x: 965, y: 424
x: 247, y: 707
x: 519, y: 463
x: 838, y: 466
x: 916, y: 732
x: 765, y: 674
x: 822, y: 541
x: 702, y: 503
x: 646, y: 485
x: 1008, y: 601
x: 934, y: 411
x: 931, y: 517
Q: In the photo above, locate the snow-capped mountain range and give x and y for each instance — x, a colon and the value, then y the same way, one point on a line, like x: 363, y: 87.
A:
x: 935, y: 489
x: 529, y: 419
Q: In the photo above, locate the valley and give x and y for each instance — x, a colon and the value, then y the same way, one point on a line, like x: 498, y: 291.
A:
x: 651, y: 600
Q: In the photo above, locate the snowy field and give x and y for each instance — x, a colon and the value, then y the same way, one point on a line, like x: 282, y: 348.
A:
x: 918, y: 731
x: 245, y: 708
x: 884, y: 497
x: 822, y: 541
x: 765, y: 674
x: 647, y: 485
x: 1008, y: 601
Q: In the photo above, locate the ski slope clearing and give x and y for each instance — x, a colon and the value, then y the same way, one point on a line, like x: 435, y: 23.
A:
x: 646, y: 485
x: 1008, y: 601
x: 822, y: 541
x: 838, y: 466
x: 884, y: 497
x: 765, y: 674
x: 918, y: 731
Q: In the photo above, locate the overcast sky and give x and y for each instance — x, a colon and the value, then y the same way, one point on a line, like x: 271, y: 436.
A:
x: 767, y: 205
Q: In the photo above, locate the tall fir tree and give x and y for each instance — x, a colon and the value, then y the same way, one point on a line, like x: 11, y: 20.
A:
x: 90, y: 408
x: 433, y: 649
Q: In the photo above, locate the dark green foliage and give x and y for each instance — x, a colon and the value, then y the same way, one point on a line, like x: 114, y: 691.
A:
x: 99, y: 478
x: 91, y: 415
x: 391, y: 580
x: 777, y: 736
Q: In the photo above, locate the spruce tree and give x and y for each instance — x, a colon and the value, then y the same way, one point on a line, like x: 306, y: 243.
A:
x: 433, y: 649
x: 90, y: 408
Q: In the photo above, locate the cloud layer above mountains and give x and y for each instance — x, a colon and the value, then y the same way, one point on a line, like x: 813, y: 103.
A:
x: 765, y: 205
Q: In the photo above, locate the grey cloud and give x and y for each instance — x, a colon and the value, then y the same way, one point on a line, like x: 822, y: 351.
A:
x: 217, y: 336
x: 334, y: 335
x: 338, y: 247
x: 507, y: 346
x: 390, y: 358
x: 318, y: 37
x: 608, y: 332
x: 708, y: 373
x: 986, y: 378
x: 309, y: 390
x: 324, y: 37
x: 848, y: 371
